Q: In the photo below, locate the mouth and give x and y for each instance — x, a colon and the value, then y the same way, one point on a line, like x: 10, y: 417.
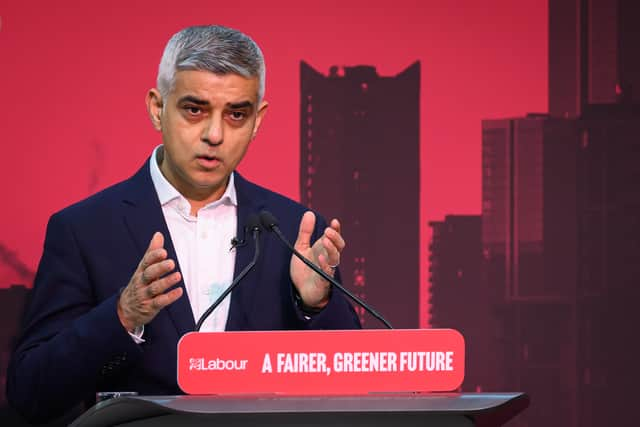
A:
x: 208, y: 162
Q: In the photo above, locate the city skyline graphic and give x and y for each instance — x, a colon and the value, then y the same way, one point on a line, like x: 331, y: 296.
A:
x: 559, y: 235
x: 541, y: 279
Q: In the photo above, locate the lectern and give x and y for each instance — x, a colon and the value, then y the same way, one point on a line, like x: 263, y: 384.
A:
x: 394, y: 410
x: 396, y: 378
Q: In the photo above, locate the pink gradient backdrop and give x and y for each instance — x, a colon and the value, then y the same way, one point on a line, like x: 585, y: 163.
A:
x: 74, y: 76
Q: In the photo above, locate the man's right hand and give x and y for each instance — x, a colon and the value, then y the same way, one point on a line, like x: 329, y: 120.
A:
x: 145, y: 295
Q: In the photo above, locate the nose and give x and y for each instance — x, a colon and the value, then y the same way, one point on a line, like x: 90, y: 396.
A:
x: 213, y: 133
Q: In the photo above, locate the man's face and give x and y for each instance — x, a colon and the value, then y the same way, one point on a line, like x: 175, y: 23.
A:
x: 207, y: 122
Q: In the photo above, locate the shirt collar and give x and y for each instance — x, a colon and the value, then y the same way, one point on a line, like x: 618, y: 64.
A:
x: 167, y: 192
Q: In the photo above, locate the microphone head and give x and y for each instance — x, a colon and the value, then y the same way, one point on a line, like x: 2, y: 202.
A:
x: 253, y: 222
x: 268, y: 220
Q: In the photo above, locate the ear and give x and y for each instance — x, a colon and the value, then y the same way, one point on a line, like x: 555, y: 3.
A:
x: 154, y: 108
x: 262, y: 110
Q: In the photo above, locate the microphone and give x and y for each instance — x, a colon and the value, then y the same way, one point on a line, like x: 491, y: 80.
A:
x: 270, y: 223
x: 236, y: 242
x: 253, y: 225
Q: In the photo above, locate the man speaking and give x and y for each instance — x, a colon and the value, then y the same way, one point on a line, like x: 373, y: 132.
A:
x: 125, y: 273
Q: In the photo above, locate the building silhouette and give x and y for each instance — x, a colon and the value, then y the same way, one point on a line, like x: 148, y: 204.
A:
x: 593, y: 57
x: 560, y: 228
x: 561, y: 242
x: 594, y: 65
x: 529, y: 239
x: 459, y: 296
x: 609, y: 262
x: 12, y: 302
x: 360, y: 162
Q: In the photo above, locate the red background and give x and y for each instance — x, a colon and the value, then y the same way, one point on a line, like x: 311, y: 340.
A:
x: 74, y: 75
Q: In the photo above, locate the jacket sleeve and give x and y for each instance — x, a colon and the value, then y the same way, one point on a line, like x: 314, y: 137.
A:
x: 71, y: 341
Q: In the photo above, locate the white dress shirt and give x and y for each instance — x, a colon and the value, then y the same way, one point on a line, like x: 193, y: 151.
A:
x: 202, y: 245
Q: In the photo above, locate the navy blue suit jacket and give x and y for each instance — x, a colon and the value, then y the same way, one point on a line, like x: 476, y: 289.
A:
x: 74, y: 345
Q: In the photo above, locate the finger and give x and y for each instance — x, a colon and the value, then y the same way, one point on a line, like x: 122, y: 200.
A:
x: 148, y: 260
x: 151, y: 258
x: 159, y: 286
x: 155, y: 248
x: 336, y: 238
x: 325, y: 265
x: 157, y: 241
x: 157, y: 270
x: 333, y: 254
x: 164, y: 300
x: 335, y: 224
x: 307, y: 225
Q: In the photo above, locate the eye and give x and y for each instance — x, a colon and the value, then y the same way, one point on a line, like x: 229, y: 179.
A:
x: 192, y: 110
x: 237, y: 115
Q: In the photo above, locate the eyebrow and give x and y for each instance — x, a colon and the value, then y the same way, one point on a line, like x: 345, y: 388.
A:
x: 193, y: 100
x: 243, y: 104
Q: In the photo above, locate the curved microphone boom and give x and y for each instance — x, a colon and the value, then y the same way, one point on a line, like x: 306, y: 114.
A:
x: 270, y: 223
x: 253, y: 225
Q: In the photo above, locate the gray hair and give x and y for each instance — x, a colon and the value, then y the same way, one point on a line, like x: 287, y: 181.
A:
x: 213, y: 48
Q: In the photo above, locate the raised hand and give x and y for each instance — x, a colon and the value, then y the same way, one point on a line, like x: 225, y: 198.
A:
x: 325, y: 252
x: 145, y: 294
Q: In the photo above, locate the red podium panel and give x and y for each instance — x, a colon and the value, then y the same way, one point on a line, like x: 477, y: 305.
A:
x: 321, y: 362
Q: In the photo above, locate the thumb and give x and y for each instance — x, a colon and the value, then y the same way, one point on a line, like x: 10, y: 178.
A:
x: 157, y: 241
x: 307, y: 224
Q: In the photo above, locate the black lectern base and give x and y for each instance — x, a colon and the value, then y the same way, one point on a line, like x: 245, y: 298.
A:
x: 396, y: 410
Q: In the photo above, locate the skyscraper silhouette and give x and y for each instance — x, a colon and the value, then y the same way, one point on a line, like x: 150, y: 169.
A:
x: 360, y: 162
x: 608, y: 262
x: 12, y: 303
x: 529, y: 237
x: 594, y: 66
x: 459, y: 297
x: 593, y: 57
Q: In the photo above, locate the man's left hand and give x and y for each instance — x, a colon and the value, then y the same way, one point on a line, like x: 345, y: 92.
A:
x: 325, y: 253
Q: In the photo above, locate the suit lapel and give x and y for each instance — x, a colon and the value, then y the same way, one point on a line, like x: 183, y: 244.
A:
x: 249, y: 201
x: 143, y: 216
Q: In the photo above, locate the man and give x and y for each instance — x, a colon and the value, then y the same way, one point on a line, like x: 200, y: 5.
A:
x: 125, y: 273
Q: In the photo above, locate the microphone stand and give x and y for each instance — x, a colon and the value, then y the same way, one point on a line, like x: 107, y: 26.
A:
x: 270, y: 223
x: 255, y: 231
